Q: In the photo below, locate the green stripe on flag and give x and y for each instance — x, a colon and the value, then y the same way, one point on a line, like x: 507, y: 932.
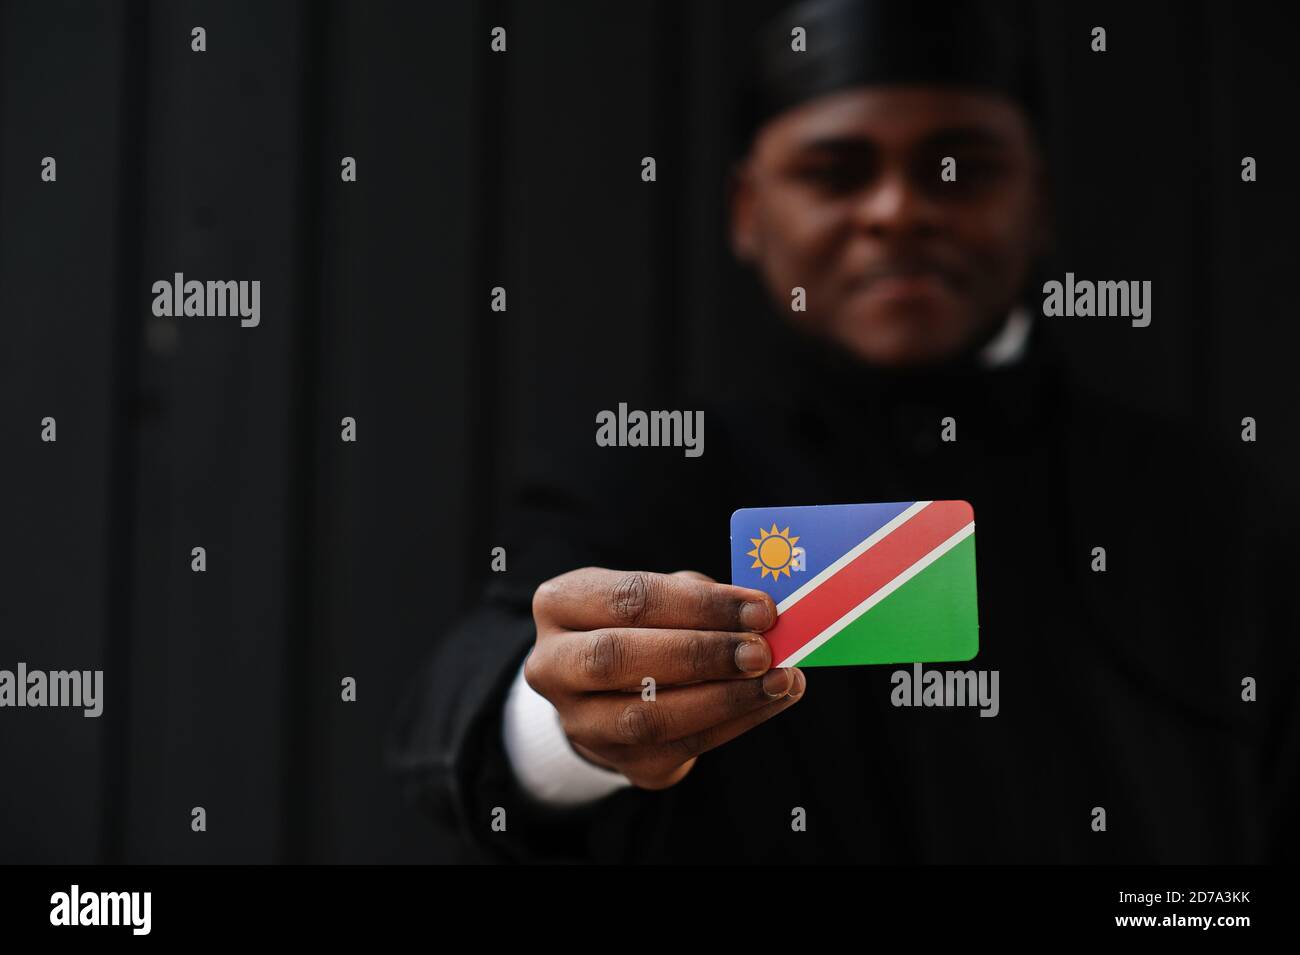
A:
x: 930, y: 619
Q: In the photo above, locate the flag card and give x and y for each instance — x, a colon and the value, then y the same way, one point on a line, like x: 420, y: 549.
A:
x: 863, y: 583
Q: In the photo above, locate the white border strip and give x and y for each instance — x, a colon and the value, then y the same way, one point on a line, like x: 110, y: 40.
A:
x: 871, y: 541
x: 794, y: 658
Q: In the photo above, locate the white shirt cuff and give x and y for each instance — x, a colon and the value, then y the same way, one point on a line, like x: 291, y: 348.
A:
x: 540, y: 754
x: 1008, y: 345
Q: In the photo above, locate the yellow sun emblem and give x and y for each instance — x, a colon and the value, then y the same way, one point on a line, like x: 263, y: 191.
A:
x: 773, y: 551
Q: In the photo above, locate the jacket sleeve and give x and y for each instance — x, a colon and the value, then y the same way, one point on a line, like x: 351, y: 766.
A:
x: 445, y: 745
x: 448, y: 754
x: 441, y: 747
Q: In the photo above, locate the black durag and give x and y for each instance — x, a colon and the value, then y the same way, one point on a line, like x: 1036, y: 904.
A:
x: 975, y: 44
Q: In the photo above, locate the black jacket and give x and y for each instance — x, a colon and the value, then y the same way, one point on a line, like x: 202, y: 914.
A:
x: 1119, y: 689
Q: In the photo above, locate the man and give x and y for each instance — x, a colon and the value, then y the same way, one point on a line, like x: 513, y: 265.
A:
x: 1120, y: 690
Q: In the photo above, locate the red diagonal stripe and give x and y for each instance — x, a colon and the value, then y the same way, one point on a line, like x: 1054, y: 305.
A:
x: 865, y: 574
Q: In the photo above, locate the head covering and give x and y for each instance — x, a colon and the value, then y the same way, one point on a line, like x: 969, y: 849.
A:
x: 975, y: 44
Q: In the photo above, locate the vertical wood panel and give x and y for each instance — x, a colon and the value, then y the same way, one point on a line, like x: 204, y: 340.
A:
x: 62, y: 69
x: 398, y: 318
x: 1127, y: 173
x: 580, y: 259
x: 1251, y: 342
x: 216, y: 437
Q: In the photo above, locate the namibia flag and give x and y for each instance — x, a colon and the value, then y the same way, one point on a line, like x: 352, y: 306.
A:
x: 863, y: 583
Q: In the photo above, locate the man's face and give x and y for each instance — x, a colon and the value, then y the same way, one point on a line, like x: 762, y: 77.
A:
x: 843, y: 196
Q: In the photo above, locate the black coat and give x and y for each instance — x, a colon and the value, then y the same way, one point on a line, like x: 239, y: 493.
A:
x: 1119, y: 690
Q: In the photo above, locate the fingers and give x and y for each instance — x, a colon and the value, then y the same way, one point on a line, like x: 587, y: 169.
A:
x: 594, y: 597
x: 618, y: 659
x: 694, y: 574
x: 660, y: 765
x: 715, y: 736
x: 684, y: 716
x: 603, y: 631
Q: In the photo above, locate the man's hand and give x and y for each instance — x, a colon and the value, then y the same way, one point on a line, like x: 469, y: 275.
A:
x: 600, y: 633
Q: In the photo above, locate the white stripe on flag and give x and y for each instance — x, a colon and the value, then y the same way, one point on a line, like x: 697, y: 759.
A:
x: 871, y: 541
x: 794, y: 658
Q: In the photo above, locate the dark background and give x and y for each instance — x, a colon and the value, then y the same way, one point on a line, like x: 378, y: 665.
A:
x: 475, y: 169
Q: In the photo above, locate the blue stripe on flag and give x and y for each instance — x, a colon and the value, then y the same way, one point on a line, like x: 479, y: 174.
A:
x: 826, y: 532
